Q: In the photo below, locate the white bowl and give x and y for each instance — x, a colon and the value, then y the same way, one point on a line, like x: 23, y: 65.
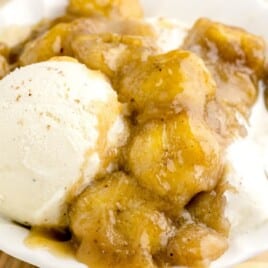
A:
x: 249, y: 14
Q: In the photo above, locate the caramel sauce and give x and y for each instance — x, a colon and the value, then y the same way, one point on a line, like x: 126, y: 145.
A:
x: 105, y: 153
x: 57, y: 243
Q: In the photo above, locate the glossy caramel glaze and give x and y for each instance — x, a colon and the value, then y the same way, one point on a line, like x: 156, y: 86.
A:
x: 55, y: 241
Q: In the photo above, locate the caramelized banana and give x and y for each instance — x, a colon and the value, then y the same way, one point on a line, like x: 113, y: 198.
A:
x: 167, y: 83
x: 195, y: 245
x: 145, y: 227
x: 50, y: 44
x: 108, y: 52
x: 218, y: 42
x: 91, y: 254
x: 107, y: 8
x: 98, y: 202
x: 89, y: 37
x: 176, y: 158
x: 236, y: 60
x: 115, y: 218
x: 208, y: 208
x: 106, y: 26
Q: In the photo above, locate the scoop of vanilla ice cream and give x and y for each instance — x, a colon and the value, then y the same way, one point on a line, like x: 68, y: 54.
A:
x: 58, y: 120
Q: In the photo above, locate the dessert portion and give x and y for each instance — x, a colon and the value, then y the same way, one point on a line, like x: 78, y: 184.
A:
x: 155, y: 197
x: 60, y: 126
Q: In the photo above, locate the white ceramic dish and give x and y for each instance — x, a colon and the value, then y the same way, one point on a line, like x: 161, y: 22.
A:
x: 250, y: 14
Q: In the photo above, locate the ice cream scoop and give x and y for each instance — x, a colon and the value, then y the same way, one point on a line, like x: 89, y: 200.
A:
x: 59, y: 121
